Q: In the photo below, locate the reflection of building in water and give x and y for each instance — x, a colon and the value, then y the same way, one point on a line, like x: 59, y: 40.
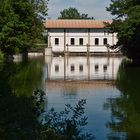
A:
x: 83, y: 68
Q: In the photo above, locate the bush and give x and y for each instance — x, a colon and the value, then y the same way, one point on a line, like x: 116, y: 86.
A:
x: 1, y: 56
x: 67, y: 124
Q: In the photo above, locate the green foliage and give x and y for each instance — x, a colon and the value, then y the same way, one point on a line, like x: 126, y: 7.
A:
x: 40, y: 6
x: 73, y: 13
x: 125, y: 108
x: 127, y: 24
x: 68, y: 124
x: 20, y: 26
x: 18, y: 115
x: 26, y: 77
x: 1, y: 56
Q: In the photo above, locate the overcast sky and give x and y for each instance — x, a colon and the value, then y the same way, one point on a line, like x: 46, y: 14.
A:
x: 94, y: 8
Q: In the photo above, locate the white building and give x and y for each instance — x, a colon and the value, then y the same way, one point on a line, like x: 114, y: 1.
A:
x: 79, y: 36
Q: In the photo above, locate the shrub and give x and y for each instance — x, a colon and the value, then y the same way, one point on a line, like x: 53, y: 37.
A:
x: 67, y: 124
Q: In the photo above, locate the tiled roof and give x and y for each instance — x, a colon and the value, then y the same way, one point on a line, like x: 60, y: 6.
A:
x: 76, y: 23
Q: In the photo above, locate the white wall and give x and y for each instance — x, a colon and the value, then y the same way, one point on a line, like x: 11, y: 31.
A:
x: 77, y: 34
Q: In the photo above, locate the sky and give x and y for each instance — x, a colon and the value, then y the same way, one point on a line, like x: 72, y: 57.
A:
x: 94, y: 8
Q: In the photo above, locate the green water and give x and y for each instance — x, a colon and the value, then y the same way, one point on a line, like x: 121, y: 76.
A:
x: 113, y: 111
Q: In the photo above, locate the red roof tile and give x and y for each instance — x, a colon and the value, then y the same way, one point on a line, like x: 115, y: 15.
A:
x: 76, y: 23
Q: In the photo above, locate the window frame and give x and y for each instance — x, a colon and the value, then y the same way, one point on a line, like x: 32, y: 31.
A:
x: 97, y: 41
x: 96, y: 68
x: 105, y: 41
x: 72, y: 41
x: 72, y: 68
x: 105, y: 68
x: 81, y: 41
x: 56, y: 68
x: 56, y: 41
x: 81, y: 68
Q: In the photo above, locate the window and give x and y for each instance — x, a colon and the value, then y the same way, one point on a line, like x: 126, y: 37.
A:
x: 72, y: 68
x: 56, y: 68
x: 105, y: 41
x: 80, y: 41
x: 96, y: 68
x: 105, y: 68
x: 56, y: 41
x: 72, y: 42
x: 81, y: 68
x: 96, y: 41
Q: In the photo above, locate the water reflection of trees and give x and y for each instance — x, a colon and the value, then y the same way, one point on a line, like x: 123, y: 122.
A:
x: 18, y: 113
x: 125, y: 108
x: 20, y: 109
x: 26, y: 76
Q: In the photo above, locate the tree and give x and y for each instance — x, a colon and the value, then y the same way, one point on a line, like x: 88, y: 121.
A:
x: 40, y: 6
x: 85, y: 16
x: 127, y: 24
x: 20, y: 26
x: 73, y: 13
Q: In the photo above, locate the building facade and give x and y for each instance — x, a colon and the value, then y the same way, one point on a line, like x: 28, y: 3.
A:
x: 80, y: 36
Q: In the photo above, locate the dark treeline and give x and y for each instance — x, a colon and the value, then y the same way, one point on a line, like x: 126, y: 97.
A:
x: 127, y: 25
x: 20, y: 26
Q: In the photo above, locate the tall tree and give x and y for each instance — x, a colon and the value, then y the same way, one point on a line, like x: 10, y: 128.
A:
x: 127, y: 24
x: 73, y: 13
x: 40, y: 6
x: 20, y: 26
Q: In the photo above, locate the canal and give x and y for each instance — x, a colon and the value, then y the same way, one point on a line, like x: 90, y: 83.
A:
x: 110, y: 87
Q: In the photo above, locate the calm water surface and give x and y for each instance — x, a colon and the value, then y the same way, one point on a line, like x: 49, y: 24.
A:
x: 73, y: 78
x: 110, y: 87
